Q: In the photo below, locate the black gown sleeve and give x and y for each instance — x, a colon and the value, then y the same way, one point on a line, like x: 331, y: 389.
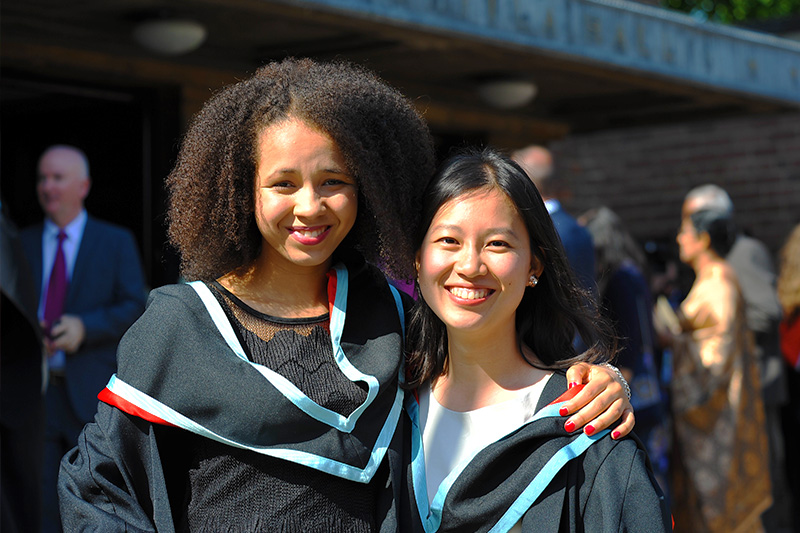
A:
x: 113, y: 480
x: 625, y: 495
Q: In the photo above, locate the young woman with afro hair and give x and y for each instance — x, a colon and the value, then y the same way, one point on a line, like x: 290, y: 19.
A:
x: 265, y: 393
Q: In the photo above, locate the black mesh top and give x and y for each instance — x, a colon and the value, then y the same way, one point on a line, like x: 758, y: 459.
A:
x: 230, y: 489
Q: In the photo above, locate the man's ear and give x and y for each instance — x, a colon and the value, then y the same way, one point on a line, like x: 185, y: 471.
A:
x: 86, y: 187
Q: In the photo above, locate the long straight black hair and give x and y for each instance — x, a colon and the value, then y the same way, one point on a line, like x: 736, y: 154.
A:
x: 549, y: 314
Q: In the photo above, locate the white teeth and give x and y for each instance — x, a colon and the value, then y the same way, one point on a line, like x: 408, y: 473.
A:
x: 469, y: 294
x: 310, y: 233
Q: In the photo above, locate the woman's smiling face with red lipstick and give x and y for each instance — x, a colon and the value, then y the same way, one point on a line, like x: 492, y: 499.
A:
x: 475, y: 261
x: 305, y: 201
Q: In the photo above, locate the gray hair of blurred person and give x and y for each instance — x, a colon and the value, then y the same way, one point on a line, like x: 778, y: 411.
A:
x: 537, y: 162
x: 613, y: 244
x: 710, y: 197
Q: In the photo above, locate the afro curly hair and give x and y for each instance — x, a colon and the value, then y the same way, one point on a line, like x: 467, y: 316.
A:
x: 385, y: 143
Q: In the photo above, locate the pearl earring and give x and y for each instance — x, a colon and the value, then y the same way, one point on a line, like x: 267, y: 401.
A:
x: 532, y: 281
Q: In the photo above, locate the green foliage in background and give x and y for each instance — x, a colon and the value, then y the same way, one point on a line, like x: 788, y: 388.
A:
x: 734, y: 11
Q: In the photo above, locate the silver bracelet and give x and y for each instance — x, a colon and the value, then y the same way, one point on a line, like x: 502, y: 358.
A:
x: 621, y: 377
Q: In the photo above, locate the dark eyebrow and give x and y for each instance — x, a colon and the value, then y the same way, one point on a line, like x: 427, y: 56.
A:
x: 446, y: 227
x: 456, y: 227
x: 502, y: 231
x: 327, y: 170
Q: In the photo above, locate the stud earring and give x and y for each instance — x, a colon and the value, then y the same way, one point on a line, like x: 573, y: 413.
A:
x: 532, y: 281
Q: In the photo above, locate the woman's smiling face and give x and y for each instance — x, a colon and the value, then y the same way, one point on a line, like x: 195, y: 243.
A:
x: 475, y: 261
x: 305, y: 200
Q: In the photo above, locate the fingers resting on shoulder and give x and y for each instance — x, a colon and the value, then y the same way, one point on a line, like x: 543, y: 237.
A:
x: 602, y: 401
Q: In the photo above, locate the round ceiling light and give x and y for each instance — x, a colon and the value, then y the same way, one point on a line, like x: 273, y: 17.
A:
x: 170, y: 36
x: 507, y: 94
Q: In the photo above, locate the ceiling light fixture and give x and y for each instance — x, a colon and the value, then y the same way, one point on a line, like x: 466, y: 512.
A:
x: 507, y: 94
x: 170, y: 36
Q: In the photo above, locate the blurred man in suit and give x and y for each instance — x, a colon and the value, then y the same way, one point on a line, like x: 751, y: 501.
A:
x: 90, y: 289
x: 537, y: 161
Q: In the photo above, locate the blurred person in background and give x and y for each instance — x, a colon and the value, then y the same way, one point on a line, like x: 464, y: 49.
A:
x: 537, y: 162
x: 752, y: 263
x: 90, y: 288
x: 789, y: 295
x: 22, y: 379
x: 626, y: 300
x: 720, y: 472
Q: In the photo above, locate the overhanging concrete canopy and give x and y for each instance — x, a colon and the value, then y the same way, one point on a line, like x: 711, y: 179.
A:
x: 613, y: 34
x: 598, y: 64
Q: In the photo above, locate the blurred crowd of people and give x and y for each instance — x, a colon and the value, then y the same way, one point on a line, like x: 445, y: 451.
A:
x: 710, y: 343
x: 713, y: 365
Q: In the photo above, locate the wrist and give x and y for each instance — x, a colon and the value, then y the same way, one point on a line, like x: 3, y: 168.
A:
x: 621, y: 378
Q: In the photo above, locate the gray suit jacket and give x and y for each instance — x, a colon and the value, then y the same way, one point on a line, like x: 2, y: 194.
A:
x: 752, y: 262
x: 107, y: 292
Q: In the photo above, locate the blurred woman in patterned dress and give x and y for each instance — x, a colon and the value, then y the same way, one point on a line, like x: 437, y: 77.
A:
x: 720, y: 475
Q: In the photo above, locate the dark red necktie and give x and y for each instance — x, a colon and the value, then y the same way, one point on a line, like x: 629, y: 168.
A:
x: 57, y: 286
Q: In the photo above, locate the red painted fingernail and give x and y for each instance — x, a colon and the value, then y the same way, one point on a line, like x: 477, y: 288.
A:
x: 563, y: 411
x: 572, y: 384
x: 589, y: 429
x: 569, y: 426
x: 615, y: 435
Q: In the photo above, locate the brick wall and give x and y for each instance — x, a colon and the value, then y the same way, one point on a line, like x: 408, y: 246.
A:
x: 644, y: 173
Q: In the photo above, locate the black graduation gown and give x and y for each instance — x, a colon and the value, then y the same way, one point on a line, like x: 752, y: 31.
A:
x: 551, y: 480
x: 181, y: 369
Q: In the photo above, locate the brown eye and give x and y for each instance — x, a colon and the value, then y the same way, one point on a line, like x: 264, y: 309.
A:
x: 447, y: 240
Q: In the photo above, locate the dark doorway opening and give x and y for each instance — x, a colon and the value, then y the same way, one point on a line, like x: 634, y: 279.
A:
x: 129, y: 135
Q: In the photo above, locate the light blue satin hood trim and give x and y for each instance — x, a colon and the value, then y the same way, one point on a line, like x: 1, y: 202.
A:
x: 335, y: 420
x: 323, y: 464
x: 286, y: 387
x: 431, y: 515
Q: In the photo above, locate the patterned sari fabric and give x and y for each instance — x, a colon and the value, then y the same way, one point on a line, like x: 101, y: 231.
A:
x: 720, y: 471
